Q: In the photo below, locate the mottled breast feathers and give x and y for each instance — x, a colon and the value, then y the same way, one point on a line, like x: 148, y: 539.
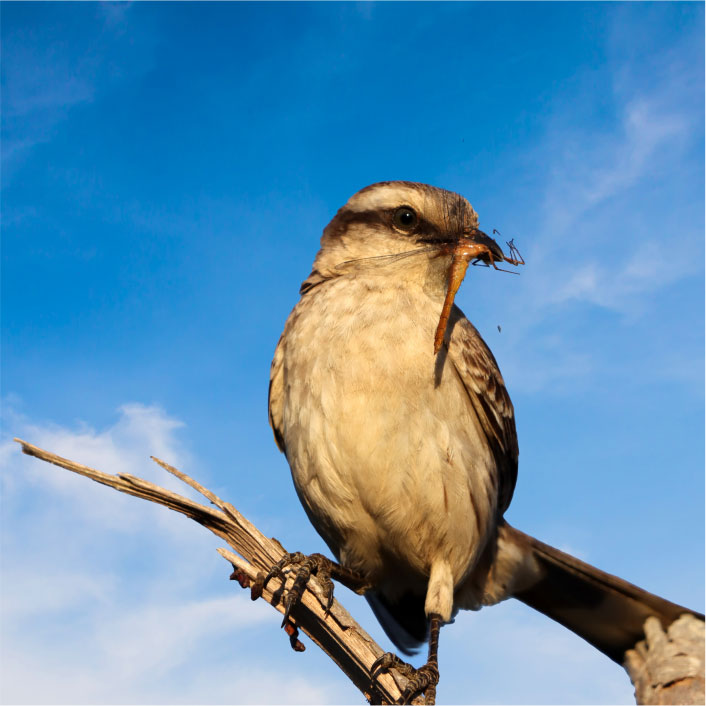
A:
x: 472, y: 361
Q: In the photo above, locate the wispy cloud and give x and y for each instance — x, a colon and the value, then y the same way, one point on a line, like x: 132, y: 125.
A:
x: 124, y: 447
x: 40, y: 87
x: 115, y: 13
x: 589, y: 168
x: 599, y: 244
x: 653, y: 266
x: 42, y: 82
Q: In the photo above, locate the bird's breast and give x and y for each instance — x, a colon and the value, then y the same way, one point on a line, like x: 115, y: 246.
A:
x: 385, y: 450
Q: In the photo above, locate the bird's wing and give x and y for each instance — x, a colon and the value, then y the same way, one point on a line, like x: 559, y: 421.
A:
x: 479, y: 374
x: 275, y: 401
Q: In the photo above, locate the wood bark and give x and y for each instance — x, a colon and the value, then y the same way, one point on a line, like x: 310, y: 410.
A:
x: 665, y: 668
x: 668, y: 667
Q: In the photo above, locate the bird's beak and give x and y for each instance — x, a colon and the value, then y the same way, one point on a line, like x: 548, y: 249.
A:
x: 474, y: 246
x: 491, y: 252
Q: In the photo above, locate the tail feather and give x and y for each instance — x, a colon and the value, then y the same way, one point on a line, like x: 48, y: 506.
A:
x: 403, y: 620
x: 603, y: 609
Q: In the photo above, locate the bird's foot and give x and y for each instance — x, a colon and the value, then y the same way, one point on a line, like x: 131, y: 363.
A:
x: 305, y: 566
x: 420, y: 681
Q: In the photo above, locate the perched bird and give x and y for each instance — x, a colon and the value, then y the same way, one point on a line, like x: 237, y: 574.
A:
x: 404, y: 459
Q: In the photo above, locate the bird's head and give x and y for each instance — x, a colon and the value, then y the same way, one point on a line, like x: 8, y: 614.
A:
x: 383, y: 225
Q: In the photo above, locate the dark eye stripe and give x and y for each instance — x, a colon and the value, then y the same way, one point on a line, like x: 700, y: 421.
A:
x: 382, y: 220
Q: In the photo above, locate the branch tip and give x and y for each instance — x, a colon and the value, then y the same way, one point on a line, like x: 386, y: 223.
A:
x: 26, y: 447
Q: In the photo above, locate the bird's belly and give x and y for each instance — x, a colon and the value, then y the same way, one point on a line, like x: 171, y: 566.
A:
x: 385, y: 450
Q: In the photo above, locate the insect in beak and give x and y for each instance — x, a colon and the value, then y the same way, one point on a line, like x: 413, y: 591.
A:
x: 473, y: 247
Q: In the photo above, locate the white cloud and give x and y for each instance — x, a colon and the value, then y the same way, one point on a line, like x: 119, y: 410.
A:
x: 124, y: 447
x: 109, y: 599
x: 113, y: 651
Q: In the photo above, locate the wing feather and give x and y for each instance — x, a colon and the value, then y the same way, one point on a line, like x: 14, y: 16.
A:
x: 478, y: 372
x: 275, y: 397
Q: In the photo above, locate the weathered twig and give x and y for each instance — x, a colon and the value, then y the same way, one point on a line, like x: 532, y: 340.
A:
x: 337, y: 634
x: 668, y: 667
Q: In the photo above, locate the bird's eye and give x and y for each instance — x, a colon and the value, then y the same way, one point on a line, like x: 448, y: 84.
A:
x: 405, y: 218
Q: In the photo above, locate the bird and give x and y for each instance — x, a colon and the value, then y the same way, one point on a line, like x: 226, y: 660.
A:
x: 405, y: 459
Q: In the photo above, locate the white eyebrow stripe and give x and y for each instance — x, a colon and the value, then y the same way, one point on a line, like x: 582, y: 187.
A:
x: 385, y: 198
x: 433, y: 203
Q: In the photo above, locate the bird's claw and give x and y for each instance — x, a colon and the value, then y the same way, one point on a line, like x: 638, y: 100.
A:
x: 305, y: 566
x: 422, y: 680
x: 389, y: 660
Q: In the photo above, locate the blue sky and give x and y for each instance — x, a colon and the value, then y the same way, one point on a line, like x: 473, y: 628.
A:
x: 167, y: 170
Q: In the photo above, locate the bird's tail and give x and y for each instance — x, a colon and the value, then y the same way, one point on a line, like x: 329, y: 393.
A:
x: 603, y: 609
x: 403, y: 620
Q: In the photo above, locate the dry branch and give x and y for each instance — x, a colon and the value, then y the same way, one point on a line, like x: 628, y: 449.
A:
x: 666, y: 668
x: 337, y: 634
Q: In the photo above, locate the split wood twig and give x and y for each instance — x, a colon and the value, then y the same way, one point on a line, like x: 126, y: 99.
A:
x: 337, y: 634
